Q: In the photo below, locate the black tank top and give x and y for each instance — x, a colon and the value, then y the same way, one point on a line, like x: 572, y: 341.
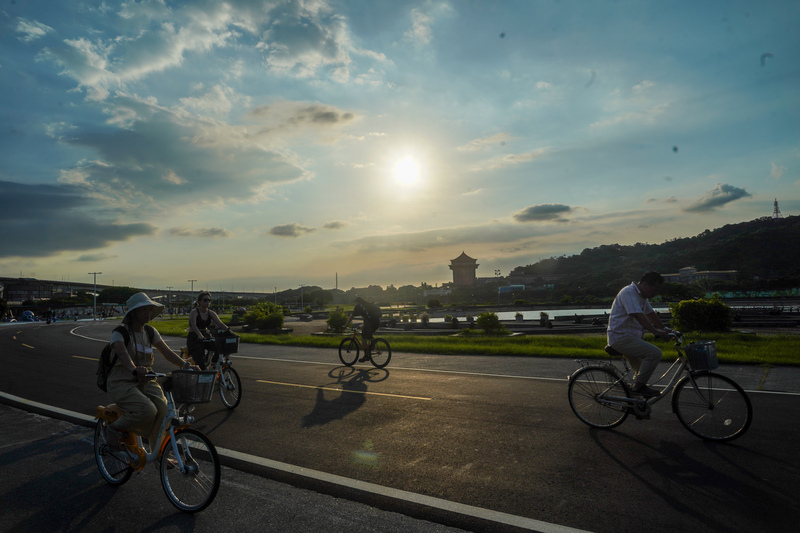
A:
x: 202, y: 324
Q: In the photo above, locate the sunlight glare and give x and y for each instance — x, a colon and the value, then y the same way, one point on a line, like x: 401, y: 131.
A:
x: 406, y: 172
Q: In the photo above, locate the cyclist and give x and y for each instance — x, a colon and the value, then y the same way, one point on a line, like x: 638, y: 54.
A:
x: 632, y: 315
x: 372, y: 321
x: 142, y: 400
x: 200, y: 318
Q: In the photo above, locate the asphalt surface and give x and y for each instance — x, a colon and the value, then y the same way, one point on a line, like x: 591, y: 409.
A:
x: 50, y: 483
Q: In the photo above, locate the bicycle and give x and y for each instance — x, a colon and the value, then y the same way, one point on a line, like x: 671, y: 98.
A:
x: 709, y: 405
x: 380, y: 353
x: 227, y: 381
x: 186, y: 458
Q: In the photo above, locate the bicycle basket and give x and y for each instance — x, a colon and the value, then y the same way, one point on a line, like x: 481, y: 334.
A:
x: 227, y: 344
x: 193, y: 386
x: 702, y: 355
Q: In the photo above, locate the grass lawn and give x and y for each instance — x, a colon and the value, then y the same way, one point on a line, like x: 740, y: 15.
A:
x: 735, y: 348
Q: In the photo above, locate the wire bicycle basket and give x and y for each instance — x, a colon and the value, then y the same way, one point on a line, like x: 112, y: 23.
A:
x: 193, y: 386
x: 702, y: 355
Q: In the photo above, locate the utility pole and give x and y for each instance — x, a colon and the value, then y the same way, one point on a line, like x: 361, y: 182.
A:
x: 192, y: 282
x: 94, y: 312
x: 169, y: 299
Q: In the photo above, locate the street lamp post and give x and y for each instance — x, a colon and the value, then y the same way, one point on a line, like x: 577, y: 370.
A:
x: 192, y: 282
x: 94, y: 292
x: 169, y: 299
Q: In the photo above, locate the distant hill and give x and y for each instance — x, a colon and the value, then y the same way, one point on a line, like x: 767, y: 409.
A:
x: 762, y: 249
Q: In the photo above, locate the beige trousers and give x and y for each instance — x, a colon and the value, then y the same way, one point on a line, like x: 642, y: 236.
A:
x: 641, y: 355
x: 144, y: 404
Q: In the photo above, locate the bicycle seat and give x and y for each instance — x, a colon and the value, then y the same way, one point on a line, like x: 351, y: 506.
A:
x: 612, y: 352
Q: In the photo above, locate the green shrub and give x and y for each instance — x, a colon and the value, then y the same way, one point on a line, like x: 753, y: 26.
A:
x: 336, y: 320
x: 490, y: 324
x: 701, y: 315
x: 264, y: 315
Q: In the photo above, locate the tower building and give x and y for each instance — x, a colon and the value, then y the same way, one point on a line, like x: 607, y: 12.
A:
x: 463, y: 268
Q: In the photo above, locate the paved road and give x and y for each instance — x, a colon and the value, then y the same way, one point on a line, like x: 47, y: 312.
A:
x: 495, y: 433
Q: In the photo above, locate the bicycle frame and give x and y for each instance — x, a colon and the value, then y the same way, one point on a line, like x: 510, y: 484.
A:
x: 678, y: 368
x: 173, y: 421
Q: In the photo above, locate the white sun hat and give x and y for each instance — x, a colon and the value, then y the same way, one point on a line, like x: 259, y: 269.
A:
x: 138, y: 300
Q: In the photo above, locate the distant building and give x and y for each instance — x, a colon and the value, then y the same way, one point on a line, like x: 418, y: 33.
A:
x: 463, y: 268
x: 691, y: 274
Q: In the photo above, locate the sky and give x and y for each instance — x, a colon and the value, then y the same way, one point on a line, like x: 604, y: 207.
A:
x: 252, y: 145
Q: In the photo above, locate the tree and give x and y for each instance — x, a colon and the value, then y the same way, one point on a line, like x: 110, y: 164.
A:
x: 116, y: 295
x: 490, y: 324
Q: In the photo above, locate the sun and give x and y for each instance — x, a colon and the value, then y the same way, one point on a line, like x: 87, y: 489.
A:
x: 406, y: 172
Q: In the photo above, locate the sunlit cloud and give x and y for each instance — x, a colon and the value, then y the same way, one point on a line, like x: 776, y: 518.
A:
x: 202, y: 232
x: 480, y: 144
x: 544, y: 213
x: 31, y: 30
x: 719, y: 196
x: 334, y: 225
x: 290, y: 230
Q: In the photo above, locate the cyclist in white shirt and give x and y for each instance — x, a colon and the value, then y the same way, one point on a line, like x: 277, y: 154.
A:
x: 632, y: 316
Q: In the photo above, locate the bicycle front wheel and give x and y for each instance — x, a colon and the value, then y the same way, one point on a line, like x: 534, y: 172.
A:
x: 348, y: 351
x: 113, y: 467
x: 585, y: 389
x: 718, y: 409
x: 230, y: 387
x: 381, y: 353
x: 194, y: 488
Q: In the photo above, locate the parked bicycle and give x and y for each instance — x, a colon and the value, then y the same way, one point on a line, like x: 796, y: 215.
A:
x: 380, y: 353
x: 186, y: 458
x: 709, y: 405
x: 228, y: 382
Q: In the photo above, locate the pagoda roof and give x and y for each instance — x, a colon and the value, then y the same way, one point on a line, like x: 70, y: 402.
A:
x: 463, y: 258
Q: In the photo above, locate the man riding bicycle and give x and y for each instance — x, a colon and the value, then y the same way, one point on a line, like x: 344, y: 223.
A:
x: 372, y: 321
x: 632, y: 315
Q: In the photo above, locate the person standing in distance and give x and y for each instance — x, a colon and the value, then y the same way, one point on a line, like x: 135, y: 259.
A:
x: 372, y: 321
x: 632, y: 316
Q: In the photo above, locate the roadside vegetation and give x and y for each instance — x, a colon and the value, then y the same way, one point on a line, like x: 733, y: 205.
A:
x: 732, y: 348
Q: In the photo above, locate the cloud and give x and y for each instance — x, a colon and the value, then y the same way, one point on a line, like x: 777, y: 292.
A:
x: 480, y: 144
x: 511, y: 160
x: 202, y: 232
x: 543, y: 213
x: 31, y: 30
x: 455, y: 237
x: 290, y: 230
x: 285, y: 117
x: 777, y: 172
x: 304, y: 38
x: 720, y: 195
x: 44, y: 220
x: 149, y: 156
x: 334, y: 225
x: 422, y: 21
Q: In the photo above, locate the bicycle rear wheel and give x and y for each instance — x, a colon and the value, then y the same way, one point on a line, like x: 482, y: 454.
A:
x: 348, y: 351
x: 113, y: 467
x: 195, y: 488
x: 230, y: 387
x: 717, y: 410
x: 381, y: 353
x: 585, y: 387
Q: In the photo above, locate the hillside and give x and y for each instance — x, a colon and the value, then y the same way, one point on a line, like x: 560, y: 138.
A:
x: 762, y: 250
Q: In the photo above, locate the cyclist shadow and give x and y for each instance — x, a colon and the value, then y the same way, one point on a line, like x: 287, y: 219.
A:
x: 351, y: 397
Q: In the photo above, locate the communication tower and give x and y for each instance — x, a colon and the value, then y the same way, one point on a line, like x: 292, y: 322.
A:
x: 776, y: 213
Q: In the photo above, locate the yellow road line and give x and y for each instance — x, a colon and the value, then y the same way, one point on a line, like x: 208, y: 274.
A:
x: 342, y: 390
x: 31, y: 347
x: 82, y: 357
